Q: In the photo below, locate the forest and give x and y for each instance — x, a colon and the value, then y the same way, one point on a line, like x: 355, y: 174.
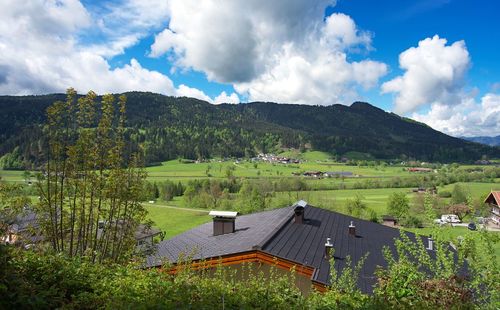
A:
x: 165, y: 128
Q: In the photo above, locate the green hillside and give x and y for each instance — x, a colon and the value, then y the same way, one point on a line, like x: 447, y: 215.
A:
x: 168, y: 128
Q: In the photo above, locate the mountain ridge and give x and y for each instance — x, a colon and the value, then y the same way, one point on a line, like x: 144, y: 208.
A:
x: 491, y: 141
x: 170, y: 127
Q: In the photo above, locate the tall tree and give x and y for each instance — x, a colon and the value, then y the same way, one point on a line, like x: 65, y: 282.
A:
x: 398, y: 205
x: 90, y: 191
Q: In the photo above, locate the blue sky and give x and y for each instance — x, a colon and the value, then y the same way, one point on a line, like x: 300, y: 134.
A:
x: 432, y: 60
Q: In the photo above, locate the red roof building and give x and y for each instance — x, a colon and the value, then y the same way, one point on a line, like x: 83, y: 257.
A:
x: 493, y: 200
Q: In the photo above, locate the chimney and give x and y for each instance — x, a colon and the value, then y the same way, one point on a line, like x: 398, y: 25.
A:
x: 299, y: 211
x: 430, y: 243
x: 352, y: 229
x: 328, y: 248
x: 224, y: 222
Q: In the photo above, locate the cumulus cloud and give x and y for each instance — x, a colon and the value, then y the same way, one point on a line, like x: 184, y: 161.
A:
x: 468, y: 118
x: 41, y: 52
x: 124, y: 23
x: 283, y: 51
x: 434, y: 74
x: 223, y: 97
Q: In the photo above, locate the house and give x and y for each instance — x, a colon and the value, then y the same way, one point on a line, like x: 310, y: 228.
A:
x: 22, y: 228
x: 300, y: 236
x: 25, y: 229
x: 314, y: 174
x: 493, y: 200
x: 145, y: 234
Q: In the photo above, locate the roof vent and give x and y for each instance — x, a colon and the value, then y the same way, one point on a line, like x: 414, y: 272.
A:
x: 352, y: 229
x: 430, y: 243
x: 224, y: 222
x: 299, y: 211
x: 328, y: 248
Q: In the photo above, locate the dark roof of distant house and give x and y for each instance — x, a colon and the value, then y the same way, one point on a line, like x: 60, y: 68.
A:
x: 23, y: 221
x: 145, y: 231
x: 274, y: 232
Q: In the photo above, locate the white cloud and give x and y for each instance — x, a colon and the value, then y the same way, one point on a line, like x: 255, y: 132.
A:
x: 124, y: 23
x: 223, y: 97
x: 468, y: 118
x: 270, y: 50
x: 340, y: 32
x: 434, y: 74
x: 41, y: 53
x: 186, y: 91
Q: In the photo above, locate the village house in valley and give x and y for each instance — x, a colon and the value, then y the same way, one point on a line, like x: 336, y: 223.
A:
x: 301, y: 236
x: 493, y: 200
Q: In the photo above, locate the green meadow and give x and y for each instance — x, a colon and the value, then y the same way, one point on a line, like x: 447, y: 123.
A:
x: 172, y: 218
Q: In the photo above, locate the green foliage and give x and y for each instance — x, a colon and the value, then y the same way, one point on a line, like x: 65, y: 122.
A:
x: 446, y: 279
x: 414, y: 279
x: 90, y: 190
x: 12, y: 160
x: 31, y: 280
x: 398, y: 205
x: 444, y: 194
x: 356, y: 206
x: 459, y: 195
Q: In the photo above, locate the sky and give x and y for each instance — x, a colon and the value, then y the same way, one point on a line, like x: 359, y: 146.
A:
x: 435, y: 61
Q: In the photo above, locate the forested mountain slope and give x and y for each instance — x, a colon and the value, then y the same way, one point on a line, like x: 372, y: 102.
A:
x: 169, y: 127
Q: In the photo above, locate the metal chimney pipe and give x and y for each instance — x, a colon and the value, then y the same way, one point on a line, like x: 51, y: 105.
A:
x: 328, y: 248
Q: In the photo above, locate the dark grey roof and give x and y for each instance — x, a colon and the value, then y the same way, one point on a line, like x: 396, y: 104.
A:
x: 305, y: 244
x: 199, y: 243
x: 144, y: 231
x: 275, y: 232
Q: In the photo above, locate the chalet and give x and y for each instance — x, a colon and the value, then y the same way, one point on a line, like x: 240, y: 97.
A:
x: 493, y: 200
x: 300, y: 236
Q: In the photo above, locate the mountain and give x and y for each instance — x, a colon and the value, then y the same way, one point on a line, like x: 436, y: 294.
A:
x: 169, y: 127
x: 492, y: 141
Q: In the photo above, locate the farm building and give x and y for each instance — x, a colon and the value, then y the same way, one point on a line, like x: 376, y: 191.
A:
x: 331, y: 174
x: 420, y: 170
x: 493, y: 200
x: 300, y: 236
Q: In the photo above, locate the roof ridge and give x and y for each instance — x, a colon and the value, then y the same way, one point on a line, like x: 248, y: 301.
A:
x: 275, y: 231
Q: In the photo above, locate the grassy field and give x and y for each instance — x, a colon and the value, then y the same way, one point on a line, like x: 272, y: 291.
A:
x: 452, y: 233
x: 476, y: 189
x: 11, y: 176
x: 174, y: 221
x: 375, y: 199
x: 175, y: 169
